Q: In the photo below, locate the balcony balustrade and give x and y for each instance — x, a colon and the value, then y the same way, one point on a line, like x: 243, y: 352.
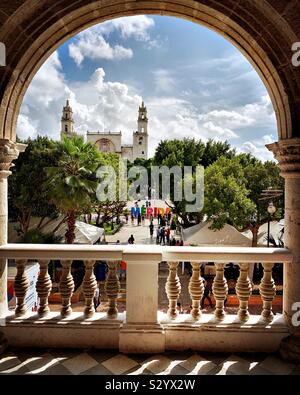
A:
x: 142, y: 327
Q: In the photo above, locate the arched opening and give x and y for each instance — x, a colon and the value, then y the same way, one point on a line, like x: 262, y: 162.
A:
x: 105, y: 145
x: 263, y: 30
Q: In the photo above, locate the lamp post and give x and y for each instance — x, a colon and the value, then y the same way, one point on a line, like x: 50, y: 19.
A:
x: 271, y: 211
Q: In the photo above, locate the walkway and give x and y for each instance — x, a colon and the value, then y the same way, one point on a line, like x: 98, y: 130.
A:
x: 91, y: 362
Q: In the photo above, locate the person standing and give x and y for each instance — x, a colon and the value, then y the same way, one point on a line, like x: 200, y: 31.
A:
x: 163, y: 235
x: 168, y: 232
x: 96, y: 298
x: 123, y: 270
x: 151, y: 228
x: 157, y: 235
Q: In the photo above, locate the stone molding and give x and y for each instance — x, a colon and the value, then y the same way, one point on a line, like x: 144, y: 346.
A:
x: 8, y: 153
x: 287, y: 152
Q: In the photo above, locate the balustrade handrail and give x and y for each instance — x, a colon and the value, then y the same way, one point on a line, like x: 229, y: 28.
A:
x: 145, y: 253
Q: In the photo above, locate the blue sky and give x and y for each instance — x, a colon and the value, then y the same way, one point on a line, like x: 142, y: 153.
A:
x: 193, y: 81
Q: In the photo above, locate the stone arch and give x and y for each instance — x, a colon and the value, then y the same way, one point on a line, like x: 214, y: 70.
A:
x: 263, y: 30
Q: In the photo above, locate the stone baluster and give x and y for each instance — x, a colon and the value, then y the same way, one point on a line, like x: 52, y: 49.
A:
x: 66, y: 288
x: 196, y: 290
x: 267, y: 291
x: 243, y: 291
x: 43, y: 288
x: 173, y: 289
x: 21, y: 287
x: 112, y: 289
x: 220, y: 290
x: 89, y: 287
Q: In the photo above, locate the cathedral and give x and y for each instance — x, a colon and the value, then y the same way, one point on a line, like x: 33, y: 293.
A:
x: 112, y: 141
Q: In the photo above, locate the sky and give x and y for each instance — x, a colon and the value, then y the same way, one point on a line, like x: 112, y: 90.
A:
x: 193, y: 82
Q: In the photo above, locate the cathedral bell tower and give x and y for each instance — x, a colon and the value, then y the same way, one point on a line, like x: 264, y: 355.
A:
x: 140, y: 138
x: 67, y: 122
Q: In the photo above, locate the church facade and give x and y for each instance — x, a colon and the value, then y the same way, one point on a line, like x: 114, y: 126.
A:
x: 112, y: 141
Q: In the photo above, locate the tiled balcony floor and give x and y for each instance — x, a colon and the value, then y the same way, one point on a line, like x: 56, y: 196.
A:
x: 93, y: 362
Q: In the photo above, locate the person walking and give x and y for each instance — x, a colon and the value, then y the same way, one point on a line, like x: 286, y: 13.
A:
x: 151, y: 228
x: 206, y: 294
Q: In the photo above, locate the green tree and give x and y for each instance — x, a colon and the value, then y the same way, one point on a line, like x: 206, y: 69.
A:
x: 189, y: 152
x: 233, y: 189
x: 27, y: 193
x: 72, y: 183
x: 186, y: 152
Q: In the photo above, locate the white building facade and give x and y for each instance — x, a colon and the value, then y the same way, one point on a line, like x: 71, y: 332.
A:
x: 112, y: 141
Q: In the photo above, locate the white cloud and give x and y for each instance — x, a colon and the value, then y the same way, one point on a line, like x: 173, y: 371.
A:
x: 49, y: 83
x: 26, y: 127
x: 232, y: 119
x: 136, y: 26
x: 163, y: 81
x: 92, y: 43
x: 93, y: 46
x: 258, y: 148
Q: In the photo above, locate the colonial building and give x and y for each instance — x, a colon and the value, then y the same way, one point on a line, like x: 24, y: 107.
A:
x: 112, y: 141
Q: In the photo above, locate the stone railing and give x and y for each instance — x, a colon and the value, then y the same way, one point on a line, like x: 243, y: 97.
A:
x: 142, y: 328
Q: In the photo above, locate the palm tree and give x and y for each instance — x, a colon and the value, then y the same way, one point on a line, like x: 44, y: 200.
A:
x: 71, y: 185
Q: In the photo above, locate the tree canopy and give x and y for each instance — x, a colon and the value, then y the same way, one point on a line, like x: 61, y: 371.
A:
x: 233, y: 189
x: 26, y: 189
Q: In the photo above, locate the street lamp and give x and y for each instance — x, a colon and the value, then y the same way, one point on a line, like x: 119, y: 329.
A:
x: 271, y: 211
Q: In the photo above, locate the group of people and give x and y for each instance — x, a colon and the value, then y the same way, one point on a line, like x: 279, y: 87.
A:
x: 163, y: 235
x: 140, y: 219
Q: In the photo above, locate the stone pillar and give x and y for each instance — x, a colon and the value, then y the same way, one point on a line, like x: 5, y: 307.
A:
x: 287, y: 152
x: 8, y: 153
x: 142, y: 333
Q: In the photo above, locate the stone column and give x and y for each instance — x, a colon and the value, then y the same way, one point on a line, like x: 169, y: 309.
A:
x: 287, y: 152
x: 8, y: 153
x: 142, y: 332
